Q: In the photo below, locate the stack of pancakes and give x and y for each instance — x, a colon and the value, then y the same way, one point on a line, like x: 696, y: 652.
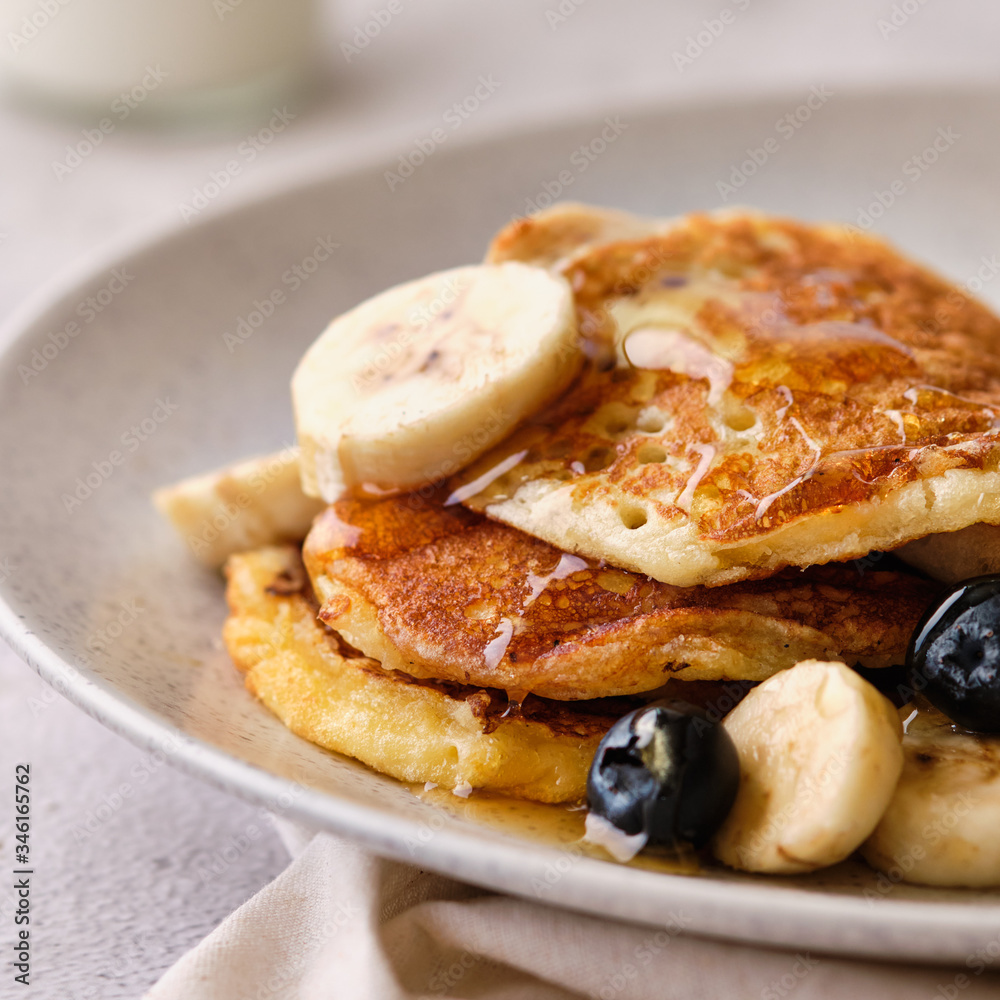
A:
x: 764, y: 403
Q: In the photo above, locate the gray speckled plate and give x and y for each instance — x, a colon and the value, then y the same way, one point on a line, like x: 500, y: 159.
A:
x: 126, y: 379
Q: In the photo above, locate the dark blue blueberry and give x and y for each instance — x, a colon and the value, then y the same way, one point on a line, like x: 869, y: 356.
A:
x: 665, y: 770
x: 954, y: 655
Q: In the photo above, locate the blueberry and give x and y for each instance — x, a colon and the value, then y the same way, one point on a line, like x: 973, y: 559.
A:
x: 665, y: 770
x: 954, y: 655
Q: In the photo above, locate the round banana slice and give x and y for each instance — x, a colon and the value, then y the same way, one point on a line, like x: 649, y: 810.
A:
x: 415, y: 383
x: 941, y: 825
x: 819, y: 759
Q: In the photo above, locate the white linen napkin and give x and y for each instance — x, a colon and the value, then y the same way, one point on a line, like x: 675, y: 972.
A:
x: 343, y: 924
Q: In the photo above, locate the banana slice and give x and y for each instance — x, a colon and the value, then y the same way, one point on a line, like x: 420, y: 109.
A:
x: 244, y: 506
x: 819, y: 760
x: 941, y: 825
x: 415, y: 383
x: 955, y: 555
x: 552, y: 236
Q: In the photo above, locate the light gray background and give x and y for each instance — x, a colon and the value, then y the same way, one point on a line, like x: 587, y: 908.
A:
x: 123, y: 883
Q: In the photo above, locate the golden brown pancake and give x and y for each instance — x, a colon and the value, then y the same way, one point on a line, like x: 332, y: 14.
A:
x: 761, y: 393
x: 441, y: 592
x: 454, y: 735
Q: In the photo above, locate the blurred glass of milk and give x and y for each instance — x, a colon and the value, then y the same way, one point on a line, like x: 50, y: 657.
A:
x: 162, y: 58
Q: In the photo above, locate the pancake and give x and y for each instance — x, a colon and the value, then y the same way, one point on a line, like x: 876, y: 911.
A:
x: 441, y: 592
x: 456, y: 736
x: 760, y: 393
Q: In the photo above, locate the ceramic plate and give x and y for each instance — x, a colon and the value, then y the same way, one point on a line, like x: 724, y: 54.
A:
x: 175, y: 357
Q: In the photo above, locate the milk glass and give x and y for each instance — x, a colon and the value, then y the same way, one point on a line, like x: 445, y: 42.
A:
x: 157, y: 58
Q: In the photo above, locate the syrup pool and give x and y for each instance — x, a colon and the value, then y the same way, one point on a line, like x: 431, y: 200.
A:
x: 558, y: 826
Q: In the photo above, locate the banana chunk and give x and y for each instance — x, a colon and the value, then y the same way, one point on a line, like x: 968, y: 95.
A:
x: 955, y: 555
x: 941, y: 825
x: 554, y: 235
x: 412, y: 385
x: 244, y: 506
x: 819, y: 760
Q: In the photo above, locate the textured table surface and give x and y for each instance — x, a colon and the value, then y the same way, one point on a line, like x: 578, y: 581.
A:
x: 129, y: 853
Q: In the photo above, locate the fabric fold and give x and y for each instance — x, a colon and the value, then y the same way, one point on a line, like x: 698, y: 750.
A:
x: 342, y: 924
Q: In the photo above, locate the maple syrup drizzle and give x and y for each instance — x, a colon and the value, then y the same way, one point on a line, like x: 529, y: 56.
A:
x: 789, y: 399
x: 897, y: 417
x: 764, y: 504
x: 664, y: 349
x: 559, y: 826
x: 495, y: 650
x: 567, y: 566
x: 842, y: 331
x: 480, y: 483
x: 706, y: 453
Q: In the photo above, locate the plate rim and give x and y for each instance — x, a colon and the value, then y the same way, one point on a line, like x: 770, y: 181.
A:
x: 729, y: 905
